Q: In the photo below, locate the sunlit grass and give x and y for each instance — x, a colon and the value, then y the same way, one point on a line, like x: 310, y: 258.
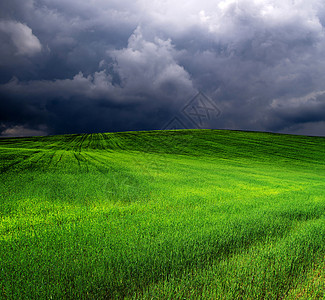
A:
x: 195, y: 214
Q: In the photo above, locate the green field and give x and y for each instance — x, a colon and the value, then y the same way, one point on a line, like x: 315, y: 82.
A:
x: 189, y: 214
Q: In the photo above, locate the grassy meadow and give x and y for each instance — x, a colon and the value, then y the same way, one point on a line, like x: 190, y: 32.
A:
x: 185, y: 214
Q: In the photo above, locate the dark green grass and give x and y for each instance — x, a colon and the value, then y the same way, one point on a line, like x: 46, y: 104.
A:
x: 191, y: 214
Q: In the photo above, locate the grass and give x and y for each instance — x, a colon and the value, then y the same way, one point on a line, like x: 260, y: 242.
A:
x: 190, y: 214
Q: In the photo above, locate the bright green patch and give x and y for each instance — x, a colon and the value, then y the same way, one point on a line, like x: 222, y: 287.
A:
x: 193, y: 214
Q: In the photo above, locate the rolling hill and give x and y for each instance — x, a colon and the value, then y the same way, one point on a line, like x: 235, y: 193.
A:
x: 184, y: 214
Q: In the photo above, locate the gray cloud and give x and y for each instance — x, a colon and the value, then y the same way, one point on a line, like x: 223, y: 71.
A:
x: 105, y: 65
x: 20, y: 131
x: 21, y: 37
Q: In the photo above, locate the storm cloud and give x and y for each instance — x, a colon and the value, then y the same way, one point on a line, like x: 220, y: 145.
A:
x: 75, y: 66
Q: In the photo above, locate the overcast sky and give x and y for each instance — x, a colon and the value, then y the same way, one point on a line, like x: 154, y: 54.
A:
x: 73, y: 66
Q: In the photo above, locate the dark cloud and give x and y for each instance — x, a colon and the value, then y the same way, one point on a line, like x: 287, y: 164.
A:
x: 81, y: 66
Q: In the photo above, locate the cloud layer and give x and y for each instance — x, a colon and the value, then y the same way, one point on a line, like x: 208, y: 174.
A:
x: 81, y: 66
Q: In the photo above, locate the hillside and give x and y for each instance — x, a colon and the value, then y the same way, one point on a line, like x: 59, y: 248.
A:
x: 186, y: 214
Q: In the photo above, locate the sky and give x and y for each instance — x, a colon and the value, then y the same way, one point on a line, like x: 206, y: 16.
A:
x: 76, y: 66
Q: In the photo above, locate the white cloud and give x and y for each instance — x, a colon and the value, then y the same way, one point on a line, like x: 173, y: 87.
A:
x: 312, y: 100
x: 149, y: 65
x: 22, y: 37
x: 144, y: 68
